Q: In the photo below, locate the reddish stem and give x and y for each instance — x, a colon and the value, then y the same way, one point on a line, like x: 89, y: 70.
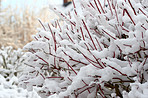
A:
x: 101, y: 91
x: 46, y: 38
x: 90, y: 61
x: 91, y: 46
x: 123, y: 28
x: 35, y: 38
x: 116, y: 15
x: 74, y: 59
x: 117, y: 70
x: 82, y: 33
x: 144, y: 61
x: 86, y: 89
x: 110, y: 7
x: 70, y: 66
x: 53, y: 37
x: 109, y: 34
x: 67, y: 19
x: 118, y: 31
x: 55, y: 77
x: 69, y: 14
x: 42, y: 76
x: 89, y: 34
x: 93, y: 56
x: 101, y: 7
x: 42, y: 24
x: 143, y: 12
x: 125, y: 10
x: 91, y: 5
x: 132, y: 7
x: 70, y: 38
x: 59, y: 26
x: 97, y: 6
x: 143, y: 27
x: 42, y: 59
x: 73, y: 4
x: 98, y: 44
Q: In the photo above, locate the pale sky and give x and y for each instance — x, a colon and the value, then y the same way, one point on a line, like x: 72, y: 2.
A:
x: 31, y: 3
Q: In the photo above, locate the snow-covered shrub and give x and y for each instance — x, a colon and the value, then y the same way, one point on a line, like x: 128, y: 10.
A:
x: 100, y: 51
x: 9, y: 90
x: 11, y: 67
x: 11, y: 62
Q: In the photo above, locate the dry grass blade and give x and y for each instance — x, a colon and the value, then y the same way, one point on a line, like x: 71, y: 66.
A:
x: 17, y: 26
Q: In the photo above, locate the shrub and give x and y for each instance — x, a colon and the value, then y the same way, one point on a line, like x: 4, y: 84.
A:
x: 11, y: 62
x: 100, y: 51
x: 11, y: 67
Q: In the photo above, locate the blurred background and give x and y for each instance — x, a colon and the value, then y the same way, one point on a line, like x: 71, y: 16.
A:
x: 19, y: 19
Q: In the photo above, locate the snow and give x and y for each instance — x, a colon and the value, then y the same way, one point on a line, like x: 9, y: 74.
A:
x: 11, y: 63
x: 9, y: 90
x: 91, y: 54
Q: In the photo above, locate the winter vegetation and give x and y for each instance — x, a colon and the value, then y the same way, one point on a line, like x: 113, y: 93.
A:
x: 11, y: 62
x: 99, y: 50
x: 11, y: 67
x: 18, y: 24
